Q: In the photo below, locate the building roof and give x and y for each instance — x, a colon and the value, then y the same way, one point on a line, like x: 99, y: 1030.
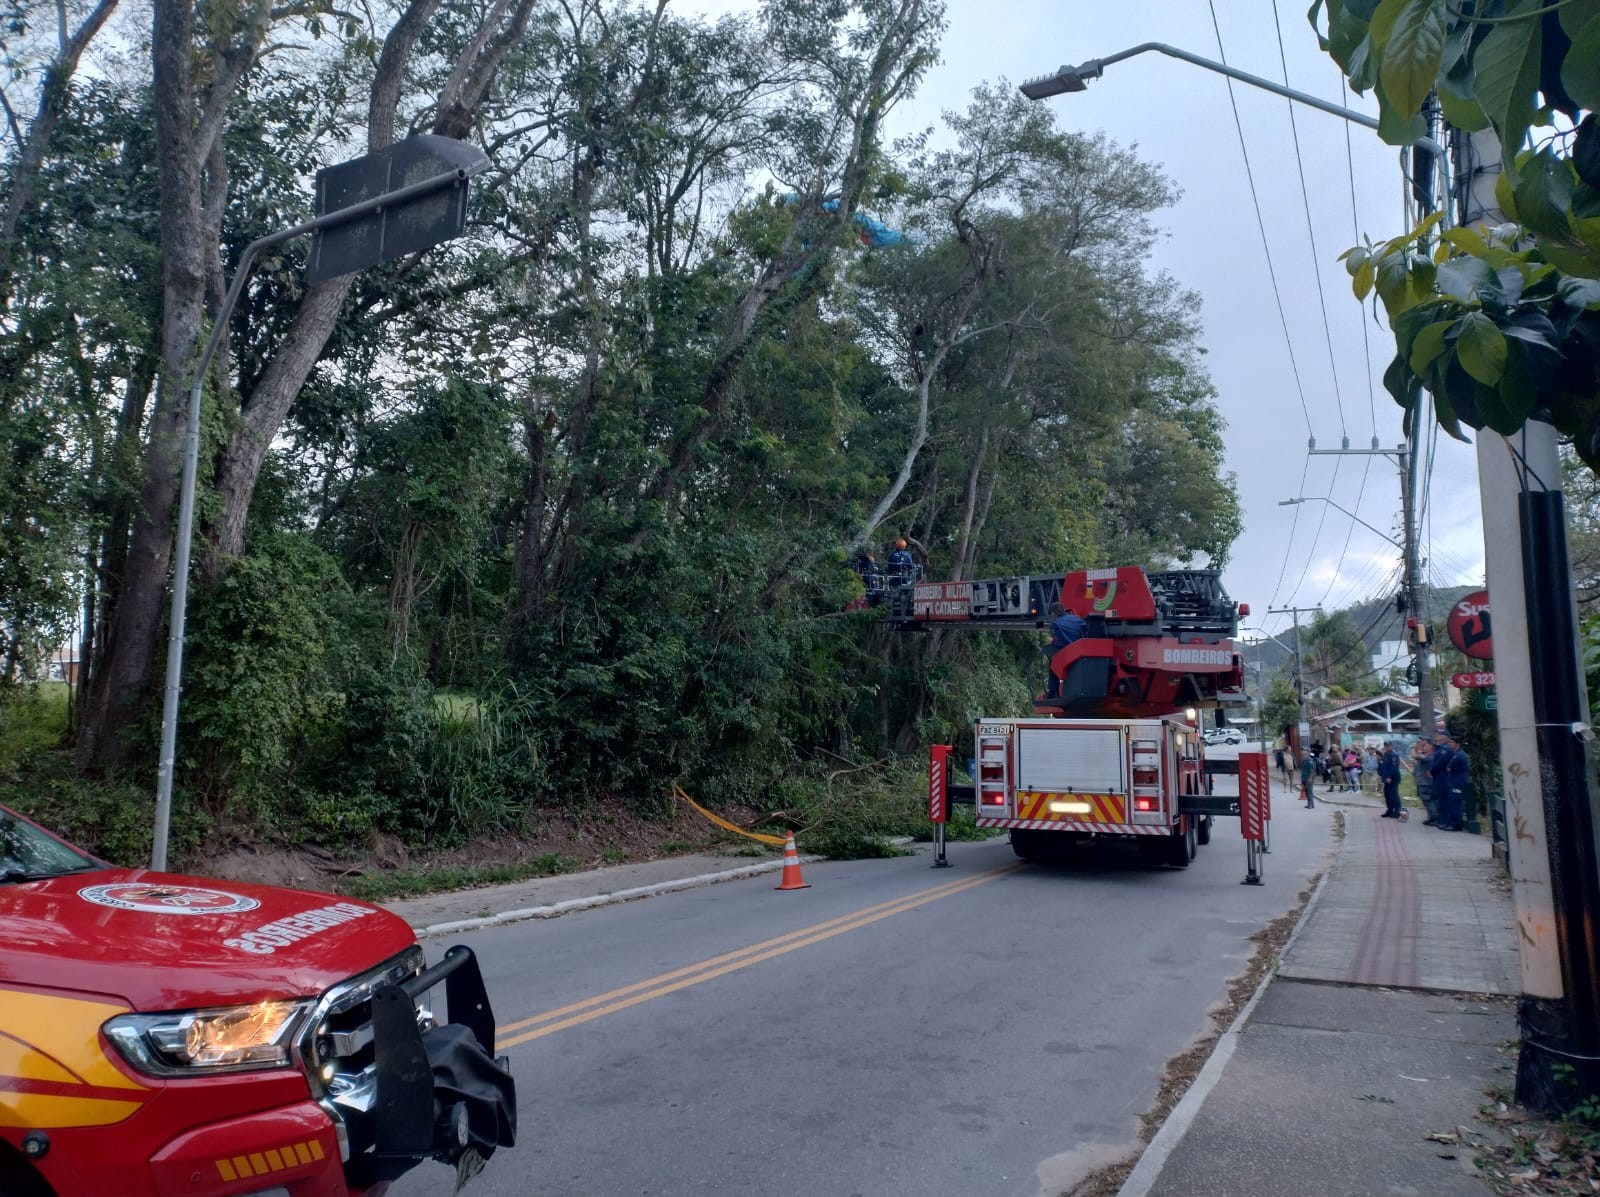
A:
x: 1379, y: 713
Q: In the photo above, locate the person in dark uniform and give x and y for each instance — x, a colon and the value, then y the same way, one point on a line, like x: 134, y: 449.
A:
x: 1389, y: 774
x: 1066, y: 627
x: 1456, y: 779
x: 902, y: 567
x: 1308, y: 775
x: 1438, y: 771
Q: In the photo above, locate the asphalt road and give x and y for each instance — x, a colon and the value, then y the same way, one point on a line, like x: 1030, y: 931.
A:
x: 993, y: 1028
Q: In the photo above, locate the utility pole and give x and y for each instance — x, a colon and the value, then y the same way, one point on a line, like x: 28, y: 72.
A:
x: 1416, y: 592
x: 1543, y: 718
x: 1416, y: 598
x: 1299, y: 672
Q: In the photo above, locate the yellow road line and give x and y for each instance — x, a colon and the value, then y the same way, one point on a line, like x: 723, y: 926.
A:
x: 724, y: 958
x: 717, y: 966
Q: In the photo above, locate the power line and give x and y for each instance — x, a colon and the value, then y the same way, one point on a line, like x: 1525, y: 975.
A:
x: 1261, y: 225
x: 1355, y: 229
x: 1316, y: 540
x: 1311, y: 233
x: 1294, y: 526
x: 1366, y: 467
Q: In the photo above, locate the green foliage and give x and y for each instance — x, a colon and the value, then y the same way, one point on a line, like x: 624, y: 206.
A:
x: 1495, y: 323
x: 1282, y: 707
x: 1479, y: 733
x: 847, y: 814
x: 32, y: 718
x: 563, y: 508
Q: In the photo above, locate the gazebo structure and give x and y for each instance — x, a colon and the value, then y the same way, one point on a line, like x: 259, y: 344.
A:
x: 1383, y: 717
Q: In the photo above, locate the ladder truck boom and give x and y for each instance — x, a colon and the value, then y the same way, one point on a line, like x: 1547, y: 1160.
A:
x: 1153, y: 643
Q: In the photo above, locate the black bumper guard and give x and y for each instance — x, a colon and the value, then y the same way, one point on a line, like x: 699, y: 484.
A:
x: 441, y: 1092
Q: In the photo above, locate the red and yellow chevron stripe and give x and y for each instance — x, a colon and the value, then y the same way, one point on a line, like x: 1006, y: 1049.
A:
x: 59, y: 1076
x: 1103, y: 808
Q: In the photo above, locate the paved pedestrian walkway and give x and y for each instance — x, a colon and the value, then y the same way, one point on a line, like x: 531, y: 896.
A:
x: 1385, y: 1024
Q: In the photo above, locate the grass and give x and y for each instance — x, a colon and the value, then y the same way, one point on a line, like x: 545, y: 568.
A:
x: 414, y: 883
x: 32, y: 719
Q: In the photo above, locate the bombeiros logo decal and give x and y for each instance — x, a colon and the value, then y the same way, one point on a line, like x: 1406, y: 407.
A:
x: 280, y: 933
x: 1195, y: 656
x: 166, y: 899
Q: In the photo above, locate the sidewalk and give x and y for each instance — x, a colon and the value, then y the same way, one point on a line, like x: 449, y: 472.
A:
x: 1382, y: 1025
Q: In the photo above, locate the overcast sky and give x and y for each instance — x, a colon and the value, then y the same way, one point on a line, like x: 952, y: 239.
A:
x: 1180, y: 118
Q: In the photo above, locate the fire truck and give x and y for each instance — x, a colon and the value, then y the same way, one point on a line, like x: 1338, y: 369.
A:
x: 1117, y: 753
x: 163, y: 1034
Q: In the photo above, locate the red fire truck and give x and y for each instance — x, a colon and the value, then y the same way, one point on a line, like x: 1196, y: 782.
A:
x: 164, y: 1035
x: 1117, y: 753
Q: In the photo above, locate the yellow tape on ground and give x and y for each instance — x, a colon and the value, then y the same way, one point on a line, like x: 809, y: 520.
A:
x: 779, y: 841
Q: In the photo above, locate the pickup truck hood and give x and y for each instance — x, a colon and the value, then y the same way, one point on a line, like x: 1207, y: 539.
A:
x: 160, y: 941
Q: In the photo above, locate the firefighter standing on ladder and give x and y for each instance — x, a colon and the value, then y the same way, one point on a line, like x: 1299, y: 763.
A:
x: 1066, y: 627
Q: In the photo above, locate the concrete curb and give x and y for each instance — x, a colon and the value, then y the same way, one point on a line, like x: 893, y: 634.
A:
x: 1154, y: 1158
x: 557, y: 909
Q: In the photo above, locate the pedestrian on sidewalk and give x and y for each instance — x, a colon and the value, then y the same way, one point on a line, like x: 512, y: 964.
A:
x: 1279, y: 760
x: 1308, y: 770
x: 1439, y: 787
x: 1389, y: 773
x: 1370, y: 772
x: 1456, y: 775
x: 1352, y: 770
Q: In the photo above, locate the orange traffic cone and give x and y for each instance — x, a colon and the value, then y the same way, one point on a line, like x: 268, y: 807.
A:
x: 791, y: 867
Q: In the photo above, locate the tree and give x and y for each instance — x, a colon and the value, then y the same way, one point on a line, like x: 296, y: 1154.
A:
x: 1496, y: 323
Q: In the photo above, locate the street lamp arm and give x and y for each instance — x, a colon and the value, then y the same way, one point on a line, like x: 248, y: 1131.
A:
x: 1346, y: 511
x: 1075, y: 79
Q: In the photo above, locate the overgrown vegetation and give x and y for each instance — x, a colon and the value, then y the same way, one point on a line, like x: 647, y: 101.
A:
x: 560, y: 512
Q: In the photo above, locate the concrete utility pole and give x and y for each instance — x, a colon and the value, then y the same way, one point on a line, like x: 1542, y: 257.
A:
x: 1543, y: 718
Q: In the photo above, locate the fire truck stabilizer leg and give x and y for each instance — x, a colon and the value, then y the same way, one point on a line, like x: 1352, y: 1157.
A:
x: 1252, y: 861
x: 940, y: 861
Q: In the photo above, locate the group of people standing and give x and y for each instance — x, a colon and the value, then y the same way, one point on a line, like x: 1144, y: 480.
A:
x: 902, y: 571
x: 1447, y: 767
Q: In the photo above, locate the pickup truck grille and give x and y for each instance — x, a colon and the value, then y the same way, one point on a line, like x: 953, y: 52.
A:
x: 337, y: 1049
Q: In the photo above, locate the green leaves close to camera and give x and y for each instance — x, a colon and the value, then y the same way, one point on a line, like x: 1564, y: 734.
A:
x: 1497, y: 324
x: 1412, y: 34
x: 1481, y: 348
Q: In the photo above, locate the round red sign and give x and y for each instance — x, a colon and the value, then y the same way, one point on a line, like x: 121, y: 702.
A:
x: 1469, y: 628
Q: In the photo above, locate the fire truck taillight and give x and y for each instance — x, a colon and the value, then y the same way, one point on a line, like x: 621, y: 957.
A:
x: 993, y: 799
x: 1144, y: 804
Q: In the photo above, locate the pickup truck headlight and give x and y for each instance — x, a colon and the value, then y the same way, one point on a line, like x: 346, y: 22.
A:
x: 224, y: 1039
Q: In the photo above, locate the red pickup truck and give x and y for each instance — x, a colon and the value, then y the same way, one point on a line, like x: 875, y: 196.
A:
x: 165, y: 1035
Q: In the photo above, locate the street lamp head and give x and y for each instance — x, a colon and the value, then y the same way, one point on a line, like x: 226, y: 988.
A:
x: 1066, y: 79
x: 1289, y: 502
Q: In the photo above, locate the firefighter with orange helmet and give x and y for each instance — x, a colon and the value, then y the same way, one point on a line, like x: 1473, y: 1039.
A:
x: 902, y: 567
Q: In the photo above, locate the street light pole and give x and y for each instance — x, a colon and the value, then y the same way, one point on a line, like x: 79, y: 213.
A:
x: 467, y: 161
x: 1076, y: 78
x: 1345, y: 511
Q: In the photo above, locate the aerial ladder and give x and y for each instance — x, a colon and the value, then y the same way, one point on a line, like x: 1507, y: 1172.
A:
x: 1117, y: 754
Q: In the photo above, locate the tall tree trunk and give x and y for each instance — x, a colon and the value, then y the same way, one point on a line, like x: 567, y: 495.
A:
x: 969, y: 506
x: 117, y: 695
